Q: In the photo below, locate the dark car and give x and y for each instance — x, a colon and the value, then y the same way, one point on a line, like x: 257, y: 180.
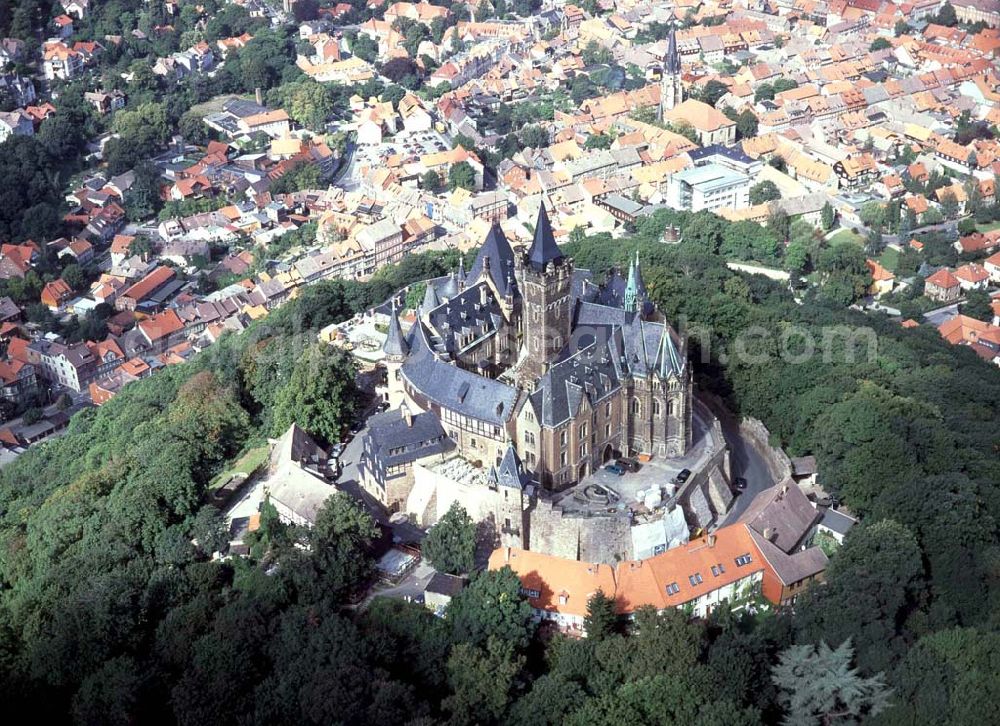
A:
x: 629, y: 464
x: 615, y: 469
x: 683, y: 475
x: 740, y: 484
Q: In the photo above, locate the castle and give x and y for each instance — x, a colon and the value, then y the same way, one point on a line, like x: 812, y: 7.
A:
x: 537, y: 371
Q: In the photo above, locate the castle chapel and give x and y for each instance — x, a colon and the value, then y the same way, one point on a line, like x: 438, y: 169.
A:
x: 532, y: 367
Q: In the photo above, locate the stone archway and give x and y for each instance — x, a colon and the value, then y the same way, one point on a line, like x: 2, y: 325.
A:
x: 583, y: 470
x: 608, y: 454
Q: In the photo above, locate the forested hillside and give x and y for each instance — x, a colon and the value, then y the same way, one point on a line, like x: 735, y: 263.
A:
x: 110, y: 611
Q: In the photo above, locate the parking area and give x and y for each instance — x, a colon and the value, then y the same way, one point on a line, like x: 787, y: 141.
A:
x: 408, y: 144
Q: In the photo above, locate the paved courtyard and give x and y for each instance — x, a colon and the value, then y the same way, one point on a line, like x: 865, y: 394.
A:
x: 655, y: 474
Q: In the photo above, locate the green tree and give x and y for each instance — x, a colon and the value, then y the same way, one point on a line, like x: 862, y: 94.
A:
x: 451, y: 544
x: 978, y: 305
x: 946, y: 15
x: 818, y: 686
x: 828, y: 217
x: 431, y: 181
x: 601, y: 620
x: 765, y: 191
x: 949, y: 204
x: 461, y: 176
x: 491, y: 606
x: 481, y: 680
x: 320, y: 396
x: 874, y: 584
x: 880, y: 44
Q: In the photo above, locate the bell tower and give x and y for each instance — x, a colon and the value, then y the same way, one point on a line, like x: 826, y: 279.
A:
x: 671, y: 92
x: 544, y: 278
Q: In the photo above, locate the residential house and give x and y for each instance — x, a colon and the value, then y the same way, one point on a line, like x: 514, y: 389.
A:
x: 143, y: 290
x: 972, y: 277
x: 17, y: 123
x: 56, y: 294
x: 943, y: 286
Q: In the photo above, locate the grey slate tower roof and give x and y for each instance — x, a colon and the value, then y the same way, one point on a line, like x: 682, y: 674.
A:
x: 431, y: 300
x: 669, y: 359
x: 497, y: 255
x: 395, y: 344
x: 450, y: 287
x: 510, y: 472
x: 543, y: 247
x: 672, y: 61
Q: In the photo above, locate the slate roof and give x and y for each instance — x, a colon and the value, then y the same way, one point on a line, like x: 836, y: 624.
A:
x: 672, y: 60
x: 464, y: 314
x: 459, y: 390
x: 395, y: 344
x: 544, y: 249
x: 391, y: 441
x: 837, y: 521
x: 496, y: 253
x: 510, y: 472
x: 784, y: 512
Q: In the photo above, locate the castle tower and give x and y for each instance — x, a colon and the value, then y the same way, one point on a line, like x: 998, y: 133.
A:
x: 671, y: 92
x: 508, y: 479
x: 544, y: 278
x: 396, y: 349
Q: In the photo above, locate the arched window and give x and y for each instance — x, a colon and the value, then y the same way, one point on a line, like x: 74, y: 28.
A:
x: 656, y: 407
x: 670, y: 408
x: 636, y: 406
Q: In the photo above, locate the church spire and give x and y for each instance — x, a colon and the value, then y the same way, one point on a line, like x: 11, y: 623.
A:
x: 669, y: 359
x: 672, y: 60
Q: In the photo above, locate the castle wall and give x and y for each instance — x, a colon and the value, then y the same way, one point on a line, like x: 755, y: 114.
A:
x: 591, y: 539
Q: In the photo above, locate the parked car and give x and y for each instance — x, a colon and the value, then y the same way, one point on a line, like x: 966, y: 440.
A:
x: 683, y: 475
x: 615, y: 469
x: 740, y: 484
x: 629, y: 464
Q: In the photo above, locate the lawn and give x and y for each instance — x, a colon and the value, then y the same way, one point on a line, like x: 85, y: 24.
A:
x: 988, y: 227
x: 889, y: 259
x: 846, y: 235
x: 247, y: 464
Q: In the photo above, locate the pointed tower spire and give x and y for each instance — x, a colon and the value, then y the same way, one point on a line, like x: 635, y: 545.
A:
x: 635, y: 288
x: 395, y: 344
x: 431, y: 300
x: 461, y: 269
x: 510, y: 472
x: 669, y: 359
x: 544, y: 249
x: 672, y: 60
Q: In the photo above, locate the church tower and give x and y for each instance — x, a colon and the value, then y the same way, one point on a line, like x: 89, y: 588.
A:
x: 544, y: 278
x: 671, y: 92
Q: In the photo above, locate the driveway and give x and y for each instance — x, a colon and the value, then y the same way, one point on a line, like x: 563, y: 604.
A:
x: 747, y: 463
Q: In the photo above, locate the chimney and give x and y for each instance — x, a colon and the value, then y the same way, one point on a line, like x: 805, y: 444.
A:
x: 483, y: 295
x: 769, y: 533
x: 258, y: 96
x: 407, y: 415
x: 711, y: 540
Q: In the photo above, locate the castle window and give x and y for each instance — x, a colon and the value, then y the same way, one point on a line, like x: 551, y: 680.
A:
x: 656, y: 407
x: 529, y: 438
x: 670, y: 408
x: 472, y: 443
x: 607, y: 409
x: 562, y: 459
x: 607, y: 431
x: 636, y: 406
x: 562, y: 437
x: 583, y: 450
x: 583, y: 431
